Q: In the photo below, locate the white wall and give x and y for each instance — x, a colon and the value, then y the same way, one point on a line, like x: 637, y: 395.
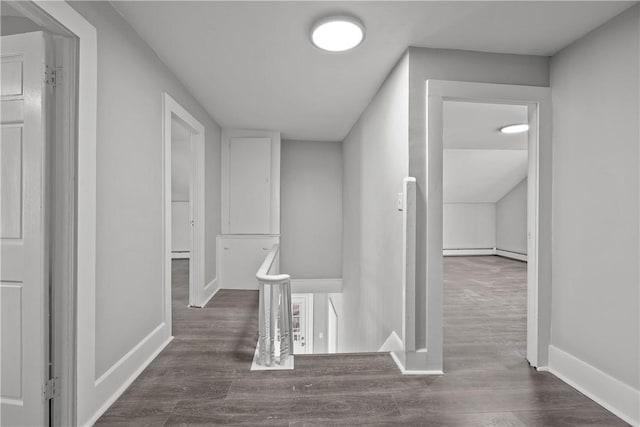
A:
x: 129, y: 287
x: 311, y: 209
x: 511, y: 220
x: 444, y: 64
x: 596, y: 296
x: 375, y: 163
x: 469, y: 226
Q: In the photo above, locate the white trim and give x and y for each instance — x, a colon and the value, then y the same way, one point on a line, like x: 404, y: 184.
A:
x: 302, y: 286
x: 210, y: 291
x: 196, y: 267
x: 412, y: 371
x: 611, y: 393
x: 180, y: 255
x: 538, y: 101
x: 118, y: 392
x: 468, y: 252
x: 391, y: 344
x: 129, y: 354
x: 86, y: 199
x: 255, y: 366
x: 512, y: 255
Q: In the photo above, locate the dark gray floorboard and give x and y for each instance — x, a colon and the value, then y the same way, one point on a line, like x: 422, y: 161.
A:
x: 202, y: 378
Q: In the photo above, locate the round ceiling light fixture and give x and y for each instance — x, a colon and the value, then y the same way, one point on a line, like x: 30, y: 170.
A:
x: 517, y: 128
x: 337, y: 33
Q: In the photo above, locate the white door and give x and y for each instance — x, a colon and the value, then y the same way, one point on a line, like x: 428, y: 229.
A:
x: 23, y: 230
x: 302, y: 323
x: 241, y: 257
x: 249, y: 185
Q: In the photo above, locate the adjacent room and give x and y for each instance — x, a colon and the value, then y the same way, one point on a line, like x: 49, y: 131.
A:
x: 485, y: 234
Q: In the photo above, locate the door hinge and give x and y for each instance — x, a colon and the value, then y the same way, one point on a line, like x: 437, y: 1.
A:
x: 52, y: 75
x: 51, y: 388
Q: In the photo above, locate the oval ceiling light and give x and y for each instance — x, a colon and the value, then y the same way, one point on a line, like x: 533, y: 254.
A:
x: 337, y: 33
x: 518, y: 128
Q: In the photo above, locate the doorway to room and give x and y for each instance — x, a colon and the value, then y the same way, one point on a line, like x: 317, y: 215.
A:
x: 484, y: 233
x: 537, y: 101
x: 183, y: 217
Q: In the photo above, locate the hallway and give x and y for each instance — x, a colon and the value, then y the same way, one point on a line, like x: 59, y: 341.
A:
x: 203, y: 377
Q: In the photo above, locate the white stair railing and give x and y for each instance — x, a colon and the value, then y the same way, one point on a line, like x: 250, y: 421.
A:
x: 275, y: 339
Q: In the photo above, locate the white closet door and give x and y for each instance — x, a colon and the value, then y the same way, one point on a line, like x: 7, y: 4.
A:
x: 249, y: 185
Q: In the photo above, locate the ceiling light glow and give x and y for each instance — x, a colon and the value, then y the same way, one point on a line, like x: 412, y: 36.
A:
x: 337, y: 33
x: 518, y: 128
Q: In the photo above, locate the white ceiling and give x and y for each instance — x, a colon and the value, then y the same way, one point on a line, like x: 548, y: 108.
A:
x: 481, y: 176
x: 481, y: 164
x: 251, y: 65
x: 476, y: 125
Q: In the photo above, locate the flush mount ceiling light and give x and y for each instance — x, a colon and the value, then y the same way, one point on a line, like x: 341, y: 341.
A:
x: 518, y: 128
x: 337, y: 33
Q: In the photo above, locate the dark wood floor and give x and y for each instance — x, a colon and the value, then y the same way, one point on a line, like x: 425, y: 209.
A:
x: 202, y: 378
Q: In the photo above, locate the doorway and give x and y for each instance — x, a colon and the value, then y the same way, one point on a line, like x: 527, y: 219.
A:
x: 484, y: 218
x: 302, y: 323
x: 183, y: 193
x: 538, y: 103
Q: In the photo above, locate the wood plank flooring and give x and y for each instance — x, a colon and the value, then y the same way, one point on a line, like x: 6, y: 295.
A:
x: 202, y: 378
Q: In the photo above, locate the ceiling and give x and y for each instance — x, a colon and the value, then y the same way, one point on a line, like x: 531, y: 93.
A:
x: 476, y: 125
x: 251, y: 65
x: 481, y: 164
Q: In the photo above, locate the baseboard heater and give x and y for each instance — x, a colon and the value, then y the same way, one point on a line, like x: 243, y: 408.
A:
x: 180, y: 255
x: 484, y: 252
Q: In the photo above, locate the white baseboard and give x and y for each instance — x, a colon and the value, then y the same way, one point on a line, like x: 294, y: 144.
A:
x: 210, y: 290
x: 611, y: 393
x: 110, y: 386
x: 405, y: 371
x: 468, y: 252
x: 392, y: 343
x: 511, y: 255
x: 287, y: 366
x: 301, y: 286
x: 180, y: 255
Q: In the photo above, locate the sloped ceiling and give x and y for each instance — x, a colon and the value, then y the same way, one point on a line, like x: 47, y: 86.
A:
x: 481, y: 164
x: 251, y: 65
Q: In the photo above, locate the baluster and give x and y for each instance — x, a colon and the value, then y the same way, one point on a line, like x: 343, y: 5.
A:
x: 272, y: 324
x: 262, y: 327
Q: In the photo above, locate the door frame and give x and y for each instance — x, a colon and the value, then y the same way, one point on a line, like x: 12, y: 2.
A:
x: 75, y: 158
x: 538, y: 99
x: 171, y: 107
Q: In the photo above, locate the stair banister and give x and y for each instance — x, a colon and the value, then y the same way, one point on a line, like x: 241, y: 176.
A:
x: 276, y: 288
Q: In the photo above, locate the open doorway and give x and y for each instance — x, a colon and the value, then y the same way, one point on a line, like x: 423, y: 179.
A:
x: 181, y: 216
x: 538, y: 103
x: 183, y: 208
x: 484, y: 233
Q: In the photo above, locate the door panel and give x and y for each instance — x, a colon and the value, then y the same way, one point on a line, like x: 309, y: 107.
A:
x: 23, y: 230
x: 240, y: 260
x: 249, y: 185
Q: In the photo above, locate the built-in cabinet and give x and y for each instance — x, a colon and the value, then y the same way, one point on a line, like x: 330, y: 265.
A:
x: 240, y: 258
x: 250, y: 204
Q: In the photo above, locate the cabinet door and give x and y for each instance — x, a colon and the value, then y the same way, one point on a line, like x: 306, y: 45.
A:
x: 241, y: 258
x: 249, y: 185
